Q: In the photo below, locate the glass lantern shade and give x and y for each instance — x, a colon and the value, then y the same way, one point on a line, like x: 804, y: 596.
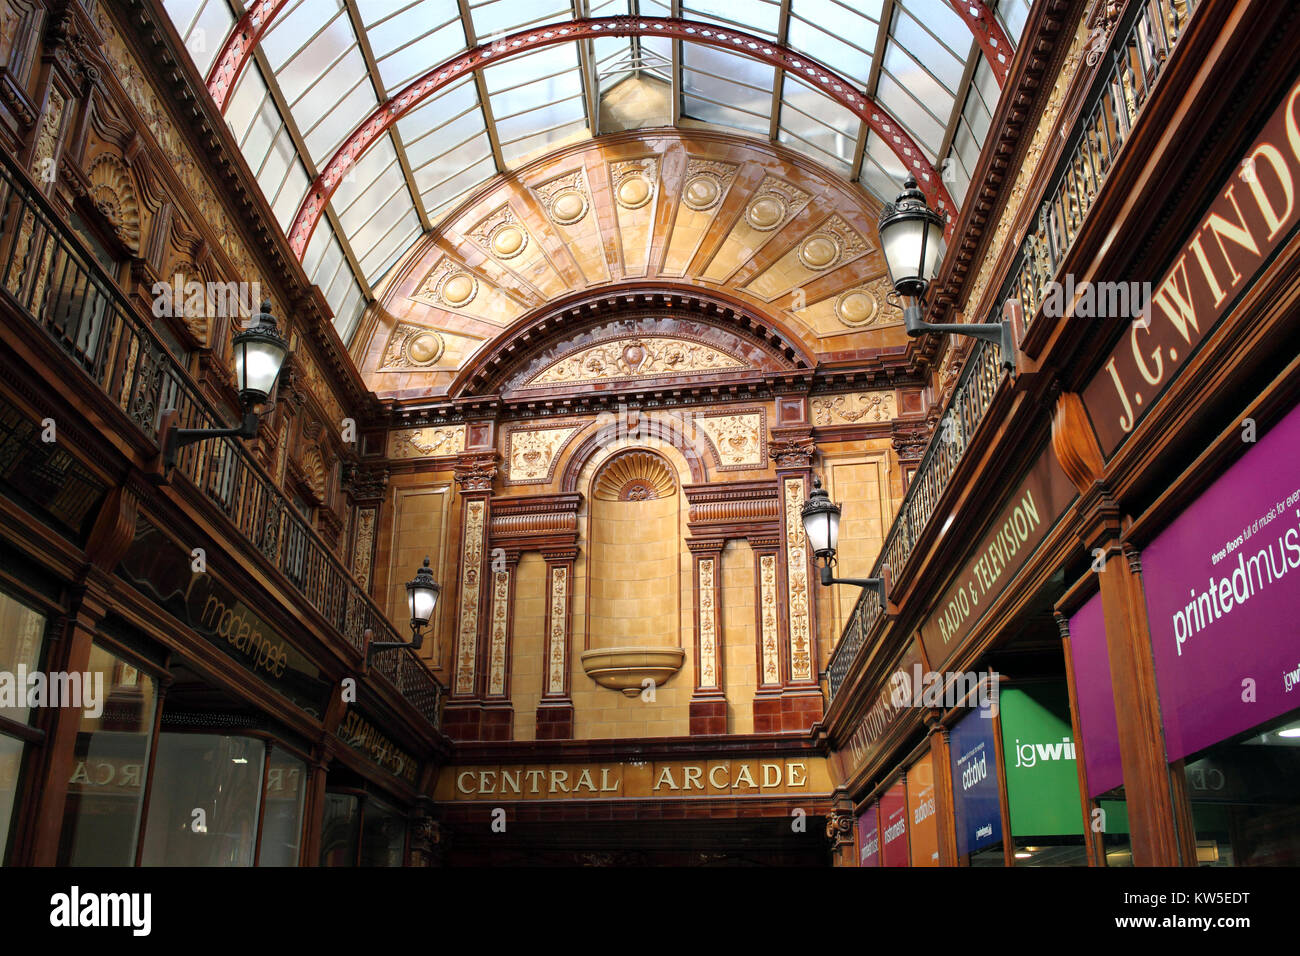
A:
x: 422, y: 596
x: 259, y: 355
x: 911, y: 238
x: 821, y: 522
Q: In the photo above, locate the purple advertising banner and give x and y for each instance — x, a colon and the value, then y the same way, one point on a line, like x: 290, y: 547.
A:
x: 1223, y: 598
x: 869, y: 836
x: 1097, y: 723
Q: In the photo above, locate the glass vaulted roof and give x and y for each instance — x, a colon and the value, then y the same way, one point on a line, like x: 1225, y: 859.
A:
x: 324, y: 65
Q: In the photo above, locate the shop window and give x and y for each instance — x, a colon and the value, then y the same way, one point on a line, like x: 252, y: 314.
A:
x: 22, y: 636
x: 11, y: 762
x: 359, y: 830
x: 340, y: 830
x: 977, y: 808
x: 101, y: 818
x: 1245, y: 798
x: 383, y: 836
x: 286, y: 792
x: 204, y: 805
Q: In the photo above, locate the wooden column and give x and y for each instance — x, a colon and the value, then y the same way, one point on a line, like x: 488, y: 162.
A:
x: 555, y: 709
x: 1128, y: 641
x: 708, y: 708
x: 945, y: 806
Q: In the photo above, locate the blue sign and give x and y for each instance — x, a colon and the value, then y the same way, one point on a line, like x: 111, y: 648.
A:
x: 975, y: 784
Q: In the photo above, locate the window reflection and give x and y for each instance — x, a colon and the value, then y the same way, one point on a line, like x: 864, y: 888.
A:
x: 101, y: 819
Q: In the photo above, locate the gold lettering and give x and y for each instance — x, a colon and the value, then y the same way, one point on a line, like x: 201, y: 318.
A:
x: 487, y: 781
x: 1152, y: 378
x: 666, y: 775
x: 585, y: 775
x: 1272, y: 217
x: 793, y: 774
x: 771, y: 774
x: 713, y: 782
x: 692, y: 774
x: 604, y: 779
x: 1185, y: 314
x: 460, y: 781
x: 1238, y: 233
x: 1210, y: 277
x: 1292, y: 131
x: 532, y: 777
x: 743, y: 778
x: 560, y: 781
x: 507, y: 781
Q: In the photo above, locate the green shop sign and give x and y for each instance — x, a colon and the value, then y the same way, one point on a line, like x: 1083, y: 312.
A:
x: 1042, y: 774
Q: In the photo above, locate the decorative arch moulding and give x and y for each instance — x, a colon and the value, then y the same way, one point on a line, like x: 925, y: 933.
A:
x: 520, y: 352
x: 808, y: 70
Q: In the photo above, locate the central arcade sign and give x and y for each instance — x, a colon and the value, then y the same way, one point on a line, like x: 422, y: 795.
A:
x: 769, y: 776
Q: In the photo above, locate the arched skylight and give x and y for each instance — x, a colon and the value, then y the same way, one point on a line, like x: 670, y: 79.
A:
x: 323, y: 66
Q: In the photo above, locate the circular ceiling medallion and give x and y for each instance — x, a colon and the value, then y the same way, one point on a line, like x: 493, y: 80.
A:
x: 701, y: 192
x: 508, y: 241
x: 856, y: 308
x: 765, y: 213
x: 425, y: 348
x: 568, y: 207
x: 818, y: 252
x: 458, y: 289
x: 634, y: 192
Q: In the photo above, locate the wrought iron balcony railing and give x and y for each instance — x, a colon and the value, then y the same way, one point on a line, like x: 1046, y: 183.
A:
x: 70, y: 298
x: 1137, y: 60
x: 1136, y: 63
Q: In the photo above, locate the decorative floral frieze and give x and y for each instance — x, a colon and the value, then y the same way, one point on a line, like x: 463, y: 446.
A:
x: 531, y: 453
x: 557, y: 646
x: 796, y: 574
x: 854, y: 407
x: 471, y: 557
x: 431, y: 442
x: 767, y: 617
x: 497, y: 640
x: 738, y: 440
x: 708, y: 626
x: 636, y: 357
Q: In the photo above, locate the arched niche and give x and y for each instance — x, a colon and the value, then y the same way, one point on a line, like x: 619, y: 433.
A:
x: 631, y: 529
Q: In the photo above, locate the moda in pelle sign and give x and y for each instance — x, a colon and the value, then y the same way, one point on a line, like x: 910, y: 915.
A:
x: 1223, y: 598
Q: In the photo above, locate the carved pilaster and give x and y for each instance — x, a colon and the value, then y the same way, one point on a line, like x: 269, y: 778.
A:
x: 555, y: 710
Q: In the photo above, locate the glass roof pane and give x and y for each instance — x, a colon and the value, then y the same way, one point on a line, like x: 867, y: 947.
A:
x: 442, y: 198
x: 817, y: 121
x: 493, y: 19
x: 1013, y: 14
x: 438, y: 171
x: 202, y: 27
x: 416, y: 50
x: 924, y: 51
x: 614, y: 8
x: 336, y: 121
x: 522, y: 150
x: 291, y: 194
x: 304, y: 25
x: 843, y: 57
x: 320, y: 240
x: 925, y: 129
x: 530, y: 67
x: 396, y: 236
x: 725, y: 88
x: 753, y: 16
x: 883, y: 172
